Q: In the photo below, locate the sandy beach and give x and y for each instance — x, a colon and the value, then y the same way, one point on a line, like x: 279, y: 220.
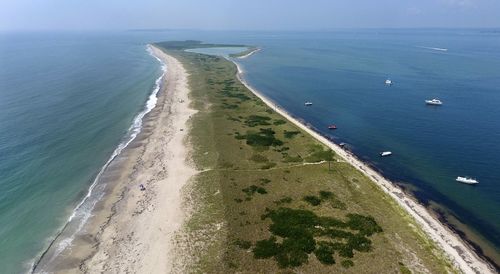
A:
x: 465, y: 259
x: 250, y: 53
x: 131, y: 229
x: 138, y: 237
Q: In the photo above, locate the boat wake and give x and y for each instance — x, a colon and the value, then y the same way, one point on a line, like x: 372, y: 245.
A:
x: 431, y: 48
x: 83, y: 211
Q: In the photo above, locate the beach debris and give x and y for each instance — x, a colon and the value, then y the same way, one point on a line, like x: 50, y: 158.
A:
x: 141, y: 187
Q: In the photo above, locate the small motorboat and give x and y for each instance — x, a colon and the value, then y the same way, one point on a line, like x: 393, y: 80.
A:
x: 308, y: 104
x: 332, y: 127
x: 467, y: 180
x: 388, y: 82
x: 385, y: 154
x: 434, y: 102
x: 342, y: 144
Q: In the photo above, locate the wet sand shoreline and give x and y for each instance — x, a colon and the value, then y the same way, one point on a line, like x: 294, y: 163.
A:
x: 130, y: 229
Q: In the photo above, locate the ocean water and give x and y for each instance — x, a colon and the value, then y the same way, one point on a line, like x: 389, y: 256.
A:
x: 68, y: 100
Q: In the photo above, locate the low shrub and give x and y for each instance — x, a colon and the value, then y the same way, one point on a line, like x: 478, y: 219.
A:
x: 298, y: 228
x: 251, y: 190
x: 279, y: 122
x: 243, y: 244
x: 290, y: 134
x: 347, y: 263
x: 312, y: 200
x: 256, y: 120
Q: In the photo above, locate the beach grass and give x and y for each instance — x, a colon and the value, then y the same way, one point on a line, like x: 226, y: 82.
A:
x: 262, y: 179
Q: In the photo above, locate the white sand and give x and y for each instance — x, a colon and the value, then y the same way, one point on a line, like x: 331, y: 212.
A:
x: 138, y: 238
x: 249, y: 54
x: 459, y: 253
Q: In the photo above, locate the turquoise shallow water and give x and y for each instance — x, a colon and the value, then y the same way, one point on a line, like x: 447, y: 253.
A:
x: 68, y: 99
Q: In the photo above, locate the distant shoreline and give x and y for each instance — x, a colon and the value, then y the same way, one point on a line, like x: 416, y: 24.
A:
x: 246, y: 54
x: 459, y: 251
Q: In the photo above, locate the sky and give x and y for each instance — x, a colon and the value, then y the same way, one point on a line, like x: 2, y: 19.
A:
x: 245, y: 15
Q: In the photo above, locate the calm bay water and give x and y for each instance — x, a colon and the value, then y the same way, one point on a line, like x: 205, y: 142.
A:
x: 68, y: 99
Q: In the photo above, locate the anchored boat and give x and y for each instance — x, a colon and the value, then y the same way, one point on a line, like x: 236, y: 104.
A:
x: 332, y: 127
x: 308, y: 103
x: 388, y: 82
x: 434, y: 102
x: 467, y: 180
x: 385, y: 154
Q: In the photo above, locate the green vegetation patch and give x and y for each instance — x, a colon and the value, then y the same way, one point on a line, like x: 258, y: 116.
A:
x: 290, y: 134
x: 312, y: 200
x: 263, y: 138
x: 251, y: 190
x: 264, y: 181
x: 347, y: 263
x: 268, y: 166
x: 257, y: 120
x: 296, y: 233
x: 279, y: 122
x: 243, y: 244
x: 292, y: 159
x: 318, y: 154
x: 325, y: 196
x: 284, y: 200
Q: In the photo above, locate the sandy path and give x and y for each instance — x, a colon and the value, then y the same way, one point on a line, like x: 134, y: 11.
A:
x: 138, y: 237
x: 459, y: 253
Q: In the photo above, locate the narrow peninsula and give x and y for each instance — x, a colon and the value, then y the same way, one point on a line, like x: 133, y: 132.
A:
x: 273, y: 196
x: 221, y: 180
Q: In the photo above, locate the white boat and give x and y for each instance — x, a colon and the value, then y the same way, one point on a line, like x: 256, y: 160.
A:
x: 308, y: 103
x: 467, y: 180
x: 434, y: 102
x: 385, y: 153
x: 388, y: 82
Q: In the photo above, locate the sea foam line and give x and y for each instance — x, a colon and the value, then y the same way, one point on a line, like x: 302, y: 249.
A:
x: 83, y: 209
